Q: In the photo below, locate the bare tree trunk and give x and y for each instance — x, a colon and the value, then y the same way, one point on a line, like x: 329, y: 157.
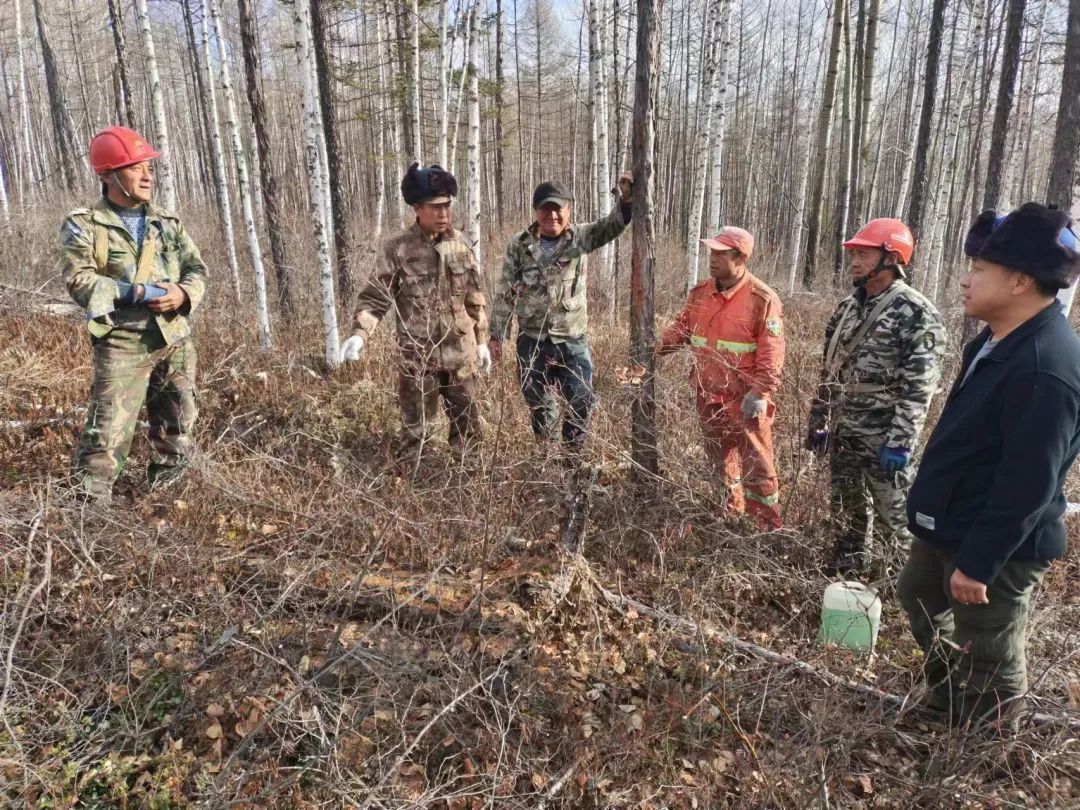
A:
x: 217, y: 153
x: 342, y: 249
x: 642, y: 317
x: 926, y: 116
x: 232, y: 124
x: 864, y: 185
x: 598, y: 108
x: 500, y: 80
x: 473, y: 149
x: 719, y: 122
x: 63, y: 129
x: 310, y: 103
x: 1063, y: 174
x: 843, y: 172
x: 414, y: 80
x: 269, y: 184
x: 821, y: 147
x: 699, y: 165
x: 444, y: 83
x: 29, y: 169
x: 1010, y: 63
x: 166, y: 183
x: 124, y: 112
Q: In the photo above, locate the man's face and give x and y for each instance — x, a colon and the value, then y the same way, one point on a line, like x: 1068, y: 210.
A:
x: 434, y: 218
x: 132, y: 185
x: 552, y: 218
x: 725, y: 266
x: 862, y: 261
x: 988, y: 289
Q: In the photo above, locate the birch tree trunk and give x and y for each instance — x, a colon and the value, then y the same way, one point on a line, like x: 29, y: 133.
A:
x: 310, y: 104
x: 699, y: 164
x: 63, y: 128
x: 414, y: 89
x: 821, y: 148
x: 124, y: 112
x: 328, y: 113
x: 642, y: 263
x: 864, y: 186
x: 269, y: 183
x: 165, y: 180
x: 843, y: 172
x: 598, y: 107
x: 473, y: 233
x: 29, y: 169
x: 716, y: 133
x: 244, y: 185
x: 217, y: 152
x: 444, y: 83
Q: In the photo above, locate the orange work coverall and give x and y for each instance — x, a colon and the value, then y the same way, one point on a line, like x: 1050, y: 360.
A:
x: 737, y: 340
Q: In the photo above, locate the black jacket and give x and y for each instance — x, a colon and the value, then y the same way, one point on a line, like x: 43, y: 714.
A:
x: 989, y: 488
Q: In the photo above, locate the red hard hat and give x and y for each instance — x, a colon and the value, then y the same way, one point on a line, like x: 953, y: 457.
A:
x: 117, y: 147
x: 891, y: 235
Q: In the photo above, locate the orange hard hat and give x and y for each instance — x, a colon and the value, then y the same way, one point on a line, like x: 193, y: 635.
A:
x: 891, y: 235
x: 117, y: 147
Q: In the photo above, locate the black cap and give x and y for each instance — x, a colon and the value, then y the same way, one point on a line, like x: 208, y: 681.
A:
x: 1036, y: 240
x: 552, y: 192
x: 433, y: 184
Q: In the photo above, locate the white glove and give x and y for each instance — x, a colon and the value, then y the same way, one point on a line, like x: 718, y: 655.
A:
x: 754, y: 405
x: 483, y: 356
x: 350, y: 351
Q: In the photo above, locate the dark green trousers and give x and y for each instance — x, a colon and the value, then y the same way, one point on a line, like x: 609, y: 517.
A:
x: 975, y: 662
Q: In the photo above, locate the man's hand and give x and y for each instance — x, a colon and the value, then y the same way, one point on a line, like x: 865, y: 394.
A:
x: 967, y: 591
x: 483, y: 357
x: 495, y: 347
x: 626, y: 187
x: 174, y: 298
x: 893, y: 459
x: 817, y: 442
x: 350, y: 350
x: 754, y: 405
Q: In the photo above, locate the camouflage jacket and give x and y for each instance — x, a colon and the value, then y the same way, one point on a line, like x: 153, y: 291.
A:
x: 547, y: 293
x: 432, y: 285
x: 880, y: 388
x: 96, y: 251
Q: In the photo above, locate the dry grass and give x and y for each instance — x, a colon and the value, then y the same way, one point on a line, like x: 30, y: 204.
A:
x: 295, y: 626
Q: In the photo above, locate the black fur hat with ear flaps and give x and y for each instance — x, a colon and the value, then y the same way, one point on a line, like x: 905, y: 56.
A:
x: 1033, y: 239
x: 429, y: 184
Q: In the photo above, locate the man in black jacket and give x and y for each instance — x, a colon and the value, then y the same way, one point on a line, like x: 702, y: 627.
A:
x: 987, y: 502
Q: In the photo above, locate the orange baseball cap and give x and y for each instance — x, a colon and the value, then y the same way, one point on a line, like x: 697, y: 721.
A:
x: 731, y: 238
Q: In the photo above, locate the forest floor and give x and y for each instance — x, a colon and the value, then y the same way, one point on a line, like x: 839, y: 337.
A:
x: 296, y: 626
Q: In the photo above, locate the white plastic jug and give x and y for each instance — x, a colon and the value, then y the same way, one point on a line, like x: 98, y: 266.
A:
x: 850, y: 615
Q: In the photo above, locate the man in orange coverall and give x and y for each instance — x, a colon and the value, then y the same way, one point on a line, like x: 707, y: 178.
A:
x: 733, y: 324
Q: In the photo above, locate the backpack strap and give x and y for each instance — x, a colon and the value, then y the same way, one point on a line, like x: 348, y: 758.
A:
x: 101, y: 247
x: 838, y: 355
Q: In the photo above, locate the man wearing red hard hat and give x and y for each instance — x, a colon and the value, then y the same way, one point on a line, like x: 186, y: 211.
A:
x: 733, y: 324
x: 139, y: 276
x: 881, y: 366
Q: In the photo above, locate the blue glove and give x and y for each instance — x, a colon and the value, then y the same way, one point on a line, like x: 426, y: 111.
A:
x: 152, y: 291
x: 893, y: 459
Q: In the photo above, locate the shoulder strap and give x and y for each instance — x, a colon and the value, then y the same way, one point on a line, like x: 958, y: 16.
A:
x: 101, y: 246
x: 147, y: 256
x: 839, y: 357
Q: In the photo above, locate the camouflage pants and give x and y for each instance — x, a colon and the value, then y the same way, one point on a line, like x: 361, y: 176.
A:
x: 975, y: 662
x: 861, y: 492
x: 544, y: 365
x: 131, y: 368
x: 419, y: 392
